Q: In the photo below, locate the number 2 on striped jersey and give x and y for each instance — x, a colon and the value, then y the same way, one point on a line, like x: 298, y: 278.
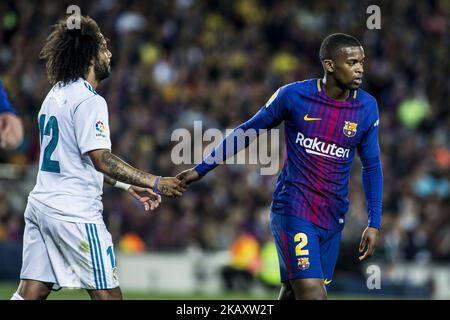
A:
x: 303, y: 239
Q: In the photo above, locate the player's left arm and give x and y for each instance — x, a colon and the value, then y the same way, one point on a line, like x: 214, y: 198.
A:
x: 149, y: 199
x: 372, y: 179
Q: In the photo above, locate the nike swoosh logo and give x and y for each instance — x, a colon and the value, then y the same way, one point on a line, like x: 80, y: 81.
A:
x: 311, y: 119
x: 326, y: 282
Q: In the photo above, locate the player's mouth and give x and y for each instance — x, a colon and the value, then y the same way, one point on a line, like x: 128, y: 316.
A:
x: 357, y: 81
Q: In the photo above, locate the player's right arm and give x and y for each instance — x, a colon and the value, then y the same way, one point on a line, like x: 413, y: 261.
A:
x: 146, y: 196
x: 109, y: 180
x: 269, y: 116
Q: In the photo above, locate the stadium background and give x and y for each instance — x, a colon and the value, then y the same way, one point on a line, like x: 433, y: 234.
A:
x: 218, y: 61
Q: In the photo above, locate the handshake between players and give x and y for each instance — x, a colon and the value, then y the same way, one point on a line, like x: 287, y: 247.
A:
x: 170, y: 187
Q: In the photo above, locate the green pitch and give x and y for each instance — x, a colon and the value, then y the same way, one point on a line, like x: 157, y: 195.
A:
x: 7, y: 289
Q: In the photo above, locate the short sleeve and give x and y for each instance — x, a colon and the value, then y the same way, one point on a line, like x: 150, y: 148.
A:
x: 91, y: 124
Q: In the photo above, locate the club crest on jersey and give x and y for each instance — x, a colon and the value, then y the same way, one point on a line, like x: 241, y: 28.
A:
x: 350, y: 129
x: 100, y: 129
x: 303, y: 263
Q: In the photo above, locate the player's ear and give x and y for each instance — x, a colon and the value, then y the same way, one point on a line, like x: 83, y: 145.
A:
x: 328, y: 65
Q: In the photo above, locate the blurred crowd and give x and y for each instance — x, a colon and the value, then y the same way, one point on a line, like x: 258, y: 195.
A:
x: 218, y: 61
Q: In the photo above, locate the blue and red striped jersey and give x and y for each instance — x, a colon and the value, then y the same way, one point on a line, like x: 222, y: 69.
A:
x: 322, y: 136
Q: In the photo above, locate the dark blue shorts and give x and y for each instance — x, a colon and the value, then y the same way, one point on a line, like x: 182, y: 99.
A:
x: 304, y: 249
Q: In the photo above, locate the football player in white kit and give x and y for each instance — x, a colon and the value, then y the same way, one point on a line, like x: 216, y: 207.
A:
x: 66, y: 243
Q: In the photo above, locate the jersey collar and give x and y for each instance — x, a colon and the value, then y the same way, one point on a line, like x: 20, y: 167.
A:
x: 353, y: 93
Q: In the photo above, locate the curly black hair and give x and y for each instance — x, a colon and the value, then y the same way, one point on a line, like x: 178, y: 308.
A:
x: 70, y: 52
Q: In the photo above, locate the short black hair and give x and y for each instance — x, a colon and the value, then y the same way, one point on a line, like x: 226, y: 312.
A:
x: 334, y: 42
x: 69, y: 52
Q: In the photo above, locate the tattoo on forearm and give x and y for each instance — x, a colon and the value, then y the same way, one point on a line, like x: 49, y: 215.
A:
x: 122, y: 171
x: 163, y: 189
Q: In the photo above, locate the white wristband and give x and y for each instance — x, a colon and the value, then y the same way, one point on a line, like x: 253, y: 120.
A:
x: 122, y: 185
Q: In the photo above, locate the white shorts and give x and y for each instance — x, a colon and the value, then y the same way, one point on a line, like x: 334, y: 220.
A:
x: 67, y: 254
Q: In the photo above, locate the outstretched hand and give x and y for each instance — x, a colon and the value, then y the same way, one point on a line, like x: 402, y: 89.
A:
x: 171, y: 187
x: 145, y: 196
x: 188, y: 176
x: 369, y: 242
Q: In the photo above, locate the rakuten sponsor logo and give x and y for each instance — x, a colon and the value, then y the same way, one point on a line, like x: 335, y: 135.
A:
x: 321, y: 148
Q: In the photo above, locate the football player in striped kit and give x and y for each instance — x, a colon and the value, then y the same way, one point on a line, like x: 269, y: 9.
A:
x: 326, y: 122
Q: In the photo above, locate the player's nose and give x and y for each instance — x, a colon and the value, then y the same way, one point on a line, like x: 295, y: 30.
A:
x: 359, y: 69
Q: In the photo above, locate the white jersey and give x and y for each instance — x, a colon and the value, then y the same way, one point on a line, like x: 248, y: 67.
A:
x: 73, y: 120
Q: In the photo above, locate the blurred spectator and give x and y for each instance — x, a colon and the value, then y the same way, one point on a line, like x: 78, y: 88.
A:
x: 269, y: 272
x: 245, y: 263
x: 11, y: 129
x: 131, y: 243
x: 10, y: 224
